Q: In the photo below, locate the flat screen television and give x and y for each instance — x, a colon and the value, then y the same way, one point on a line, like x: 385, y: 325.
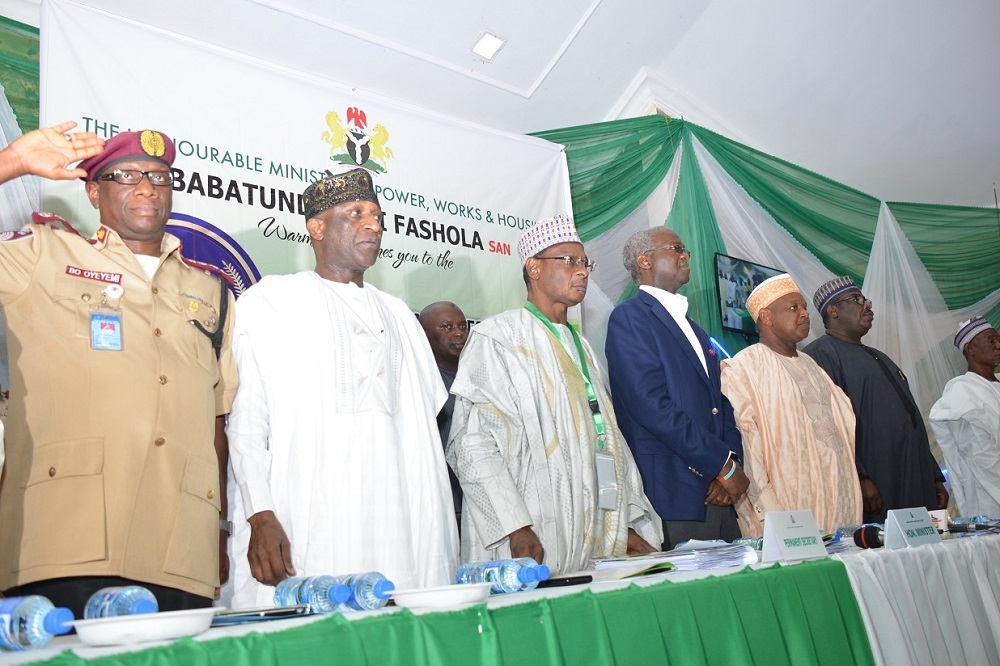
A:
x: 734, y: 280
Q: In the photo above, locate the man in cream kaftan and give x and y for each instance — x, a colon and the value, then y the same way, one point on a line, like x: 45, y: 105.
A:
x: 334, y: 437
x: 798, y: 439
x: 797, y: 425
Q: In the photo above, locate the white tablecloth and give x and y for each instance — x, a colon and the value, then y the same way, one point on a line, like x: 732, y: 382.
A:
x: 933, y: 605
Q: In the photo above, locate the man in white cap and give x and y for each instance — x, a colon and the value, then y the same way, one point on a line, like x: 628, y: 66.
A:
x: 333, y: 433
x: 797, y: 425
x: 534, y: 441
x: 966, y: 421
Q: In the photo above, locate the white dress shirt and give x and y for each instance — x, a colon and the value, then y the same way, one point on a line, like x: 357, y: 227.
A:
x: 677, y: 306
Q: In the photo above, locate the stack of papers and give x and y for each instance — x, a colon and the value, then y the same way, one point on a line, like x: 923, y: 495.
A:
x: 692, y: 556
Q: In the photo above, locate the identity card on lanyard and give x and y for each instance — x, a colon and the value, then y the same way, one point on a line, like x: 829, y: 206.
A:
x: 106, y: 320
x: 607, y: 484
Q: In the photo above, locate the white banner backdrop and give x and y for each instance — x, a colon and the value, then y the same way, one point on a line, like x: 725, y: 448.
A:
x: 251, y: 136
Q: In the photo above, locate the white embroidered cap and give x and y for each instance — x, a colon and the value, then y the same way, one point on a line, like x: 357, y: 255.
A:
x: 548, y: 232
x: 970, y: 329
x: 769, y: 291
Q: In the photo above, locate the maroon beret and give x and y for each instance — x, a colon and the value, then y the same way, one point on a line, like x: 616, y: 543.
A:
x: 147, y: 145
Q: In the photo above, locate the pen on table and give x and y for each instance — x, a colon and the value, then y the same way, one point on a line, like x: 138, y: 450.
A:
x: 566, y: 580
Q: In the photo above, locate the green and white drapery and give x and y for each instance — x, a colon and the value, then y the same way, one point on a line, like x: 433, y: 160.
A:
x: 18, y: 90
x: 925, y: 267
x: 21, y: 196
x: 18, y: 111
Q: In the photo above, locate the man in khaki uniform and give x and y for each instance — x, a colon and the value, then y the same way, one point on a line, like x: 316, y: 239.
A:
x: 119, y: 384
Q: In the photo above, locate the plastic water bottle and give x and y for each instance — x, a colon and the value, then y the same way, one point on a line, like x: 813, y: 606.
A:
x: 369, y: 590
x: 324, y: 594
x: 27, y: 622
x: 505, y: 575
x: 846, y: 532
x: 115, y: 601
x: 541, y: 572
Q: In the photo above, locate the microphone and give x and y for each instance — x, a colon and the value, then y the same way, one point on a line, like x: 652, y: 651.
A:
x: 968, y: 527
x: 869, y: 536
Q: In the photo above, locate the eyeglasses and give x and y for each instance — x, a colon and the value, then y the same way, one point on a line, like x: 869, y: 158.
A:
x: 858, y: 299
x: 134, y: 177
x: 574, y: 262
x: 679, y: 249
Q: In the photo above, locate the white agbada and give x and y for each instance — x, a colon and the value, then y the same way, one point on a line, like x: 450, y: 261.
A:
x: 523, y: 446
x: 334, y: 429
x: 966, y: 422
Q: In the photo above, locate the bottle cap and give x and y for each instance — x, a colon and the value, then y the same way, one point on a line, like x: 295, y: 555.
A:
x: 383, y: 589
x: 58, y: 621
x: 527, y: 574
x: 338, y: 593
x: 543, y: 571
x: 143, y: 606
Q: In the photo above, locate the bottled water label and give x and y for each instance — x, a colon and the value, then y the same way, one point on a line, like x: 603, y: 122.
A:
x: 31, y: 622
x: 117, y: 601
x: 7, y: 641
x: 100, y: 604
x: 11, y: 624
x: 369, y: 591
x: 504, y: 576
x: 323, y: 594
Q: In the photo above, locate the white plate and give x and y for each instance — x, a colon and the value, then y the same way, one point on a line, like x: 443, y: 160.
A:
x: 146, y: 627
x: 442, y: 597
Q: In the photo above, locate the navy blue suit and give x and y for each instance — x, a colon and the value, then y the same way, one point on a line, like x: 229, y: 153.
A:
x: 674, y: 417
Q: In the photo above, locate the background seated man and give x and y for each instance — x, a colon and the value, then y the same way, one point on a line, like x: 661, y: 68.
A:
x: 447, y: 329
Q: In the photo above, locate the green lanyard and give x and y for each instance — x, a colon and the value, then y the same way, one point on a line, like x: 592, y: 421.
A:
x: 595, y: 408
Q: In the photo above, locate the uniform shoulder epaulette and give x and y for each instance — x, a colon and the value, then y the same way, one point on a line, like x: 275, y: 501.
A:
x: 53, y: 221
x: 14, y: 235
x: 208, y: 268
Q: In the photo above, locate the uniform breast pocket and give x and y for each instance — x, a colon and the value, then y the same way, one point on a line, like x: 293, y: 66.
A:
x: 199, y: 317
x: 73, y: 299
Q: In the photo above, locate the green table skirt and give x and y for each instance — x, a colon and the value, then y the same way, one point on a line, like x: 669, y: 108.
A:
x: 802, y: 614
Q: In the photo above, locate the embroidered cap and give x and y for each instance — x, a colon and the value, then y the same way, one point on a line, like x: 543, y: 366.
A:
x: 548, y: 232
x: 831, y: 290
x: 147, y: 146
x: 769, y: 291
x: 333, y: 189
x: 970, y: 329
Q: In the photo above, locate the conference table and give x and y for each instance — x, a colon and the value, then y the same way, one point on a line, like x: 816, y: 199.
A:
x: 933, y: 605
x: 936, y: 604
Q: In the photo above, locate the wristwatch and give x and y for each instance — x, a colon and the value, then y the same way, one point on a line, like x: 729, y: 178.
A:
x: 226, y: 526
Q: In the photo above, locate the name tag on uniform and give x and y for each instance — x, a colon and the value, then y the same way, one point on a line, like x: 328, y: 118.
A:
x: 607, y: 483
x: 105, y: 330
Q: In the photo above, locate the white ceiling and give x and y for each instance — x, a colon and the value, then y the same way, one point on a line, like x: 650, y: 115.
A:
x: 898, y: 98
